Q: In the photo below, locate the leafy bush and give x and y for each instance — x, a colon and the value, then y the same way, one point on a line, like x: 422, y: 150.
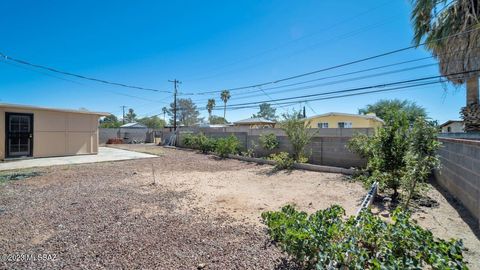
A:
x: 226, y: 146
x: 326, y: 241
x: 205, y: 144
x: 268, y: 141
x: 190, y: 140
x: 283, y: 161
x: 298, y: 134
x: 398, y: 156
x: 420, y: 159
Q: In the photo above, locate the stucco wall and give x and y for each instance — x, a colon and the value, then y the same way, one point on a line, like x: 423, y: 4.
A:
x: 357, y: 121
x: 459, y: 173
x: 57, y: 133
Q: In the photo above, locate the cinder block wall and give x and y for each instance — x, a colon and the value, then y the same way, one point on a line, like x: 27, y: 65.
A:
x: 328, y: 147
x: 460, y: 171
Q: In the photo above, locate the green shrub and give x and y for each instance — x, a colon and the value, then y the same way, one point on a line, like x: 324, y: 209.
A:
x: 268, y: 141
x: 226, y: 146
x: 398, y: 156
x: 325, y: 240
x: 205, y: 144
x: 190, y: 140
x: 283, y: 161
x: 298, y: 133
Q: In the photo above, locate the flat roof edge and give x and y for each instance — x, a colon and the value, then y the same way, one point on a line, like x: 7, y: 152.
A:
x: 29, y: 107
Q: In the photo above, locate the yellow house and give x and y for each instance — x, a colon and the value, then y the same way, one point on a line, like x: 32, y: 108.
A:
x: 344, y: 120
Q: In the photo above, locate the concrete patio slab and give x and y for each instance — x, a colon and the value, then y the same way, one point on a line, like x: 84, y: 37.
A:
x: 104, y: 154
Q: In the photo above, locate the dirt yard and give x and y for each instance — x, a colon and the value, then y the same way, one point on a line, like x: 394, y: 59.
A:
x: 181, y: 210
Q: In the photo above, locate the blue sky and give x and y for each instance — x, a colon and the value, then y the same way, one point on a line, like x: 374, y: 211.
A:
x: 209, y: 46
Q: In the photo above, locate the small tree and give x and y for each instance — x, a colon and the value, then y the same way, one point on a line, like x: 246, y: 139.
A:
x: 298, y: 134
x: 420, y: 159
x: 385, y: 151
x: 398, y: 157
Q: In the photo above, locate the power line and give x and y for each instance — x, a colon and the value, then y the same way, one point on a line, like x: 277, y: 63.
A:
x: 23, y: 62
x: 289, y: 103
x: 342, y: 65
x: 357, y: 88
x: 336, y: 82
x: 78, y: 83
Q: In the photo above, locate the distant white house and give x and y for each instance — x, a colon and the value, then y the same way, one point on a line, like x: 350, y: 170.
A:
x: 133, y: 125
x: 255, y: 123
x: 452, y: 126
x: 134, y: 133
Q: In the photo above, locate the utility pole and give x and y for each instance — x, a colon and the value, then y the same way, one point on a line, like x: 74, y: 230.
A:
x: 123, y: 112
x: 175, y: 82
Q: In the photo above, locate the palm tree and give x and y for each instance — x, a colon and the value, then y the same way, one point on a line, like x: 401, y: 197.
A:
x: 164, y: 111
x: 210, y: 106
x: 450, y: 31
x: 225, y: 95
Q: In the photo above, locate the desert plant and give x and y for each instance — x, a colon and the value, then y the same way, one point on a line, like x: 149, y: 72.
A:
x: 268, y: 141
x: 398, y: 156
x: 283, y: 161
x: 227, y: 146
x: 190, y: 140
x: 205, y: 144
x: 325, y: 240
x: 420, y: 159
x: 385, y: 152
x: 298, y: 133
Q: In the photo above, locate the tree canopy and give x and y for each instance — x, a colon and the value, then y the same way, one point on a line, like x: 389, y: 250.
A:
x: 110, y: 121
x: 131, y: 116
x: 266, y: 111
x: 217, y: 120
x: 448, y: 30
x: 384, y: 107
x: 187, y: 112
x: 153, y: 122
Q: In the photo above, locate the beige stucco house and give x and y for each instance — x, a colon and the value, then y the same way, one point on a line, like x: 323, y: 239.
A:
x: 28, y: 131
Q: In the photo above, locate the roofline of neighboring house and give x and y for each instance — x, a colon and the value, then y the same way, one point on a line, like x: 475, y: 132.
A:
x: 29, y: 107
x: 373, y: 117
x: 249, y: 121
x: 451, y: 121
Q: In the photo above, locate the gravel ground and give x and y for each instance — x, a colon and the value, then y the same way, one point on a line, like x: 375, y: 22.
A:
x: 107, y: 215
x: 179, y: 211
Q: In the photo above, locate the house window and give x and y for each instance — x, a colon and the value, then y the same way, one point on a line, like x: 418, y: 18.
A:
x: 449, y: 129
x: 322, y: 125
x: 345, y: 124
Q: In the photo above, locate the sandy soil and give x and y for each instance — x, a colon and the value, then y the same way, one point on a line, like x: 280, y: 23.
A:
x: 179, y: 210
